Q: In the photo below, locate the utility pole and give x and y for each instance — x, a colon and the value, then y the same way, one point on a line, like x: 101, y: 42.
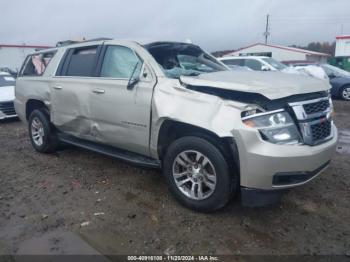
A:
x: 267, y: 32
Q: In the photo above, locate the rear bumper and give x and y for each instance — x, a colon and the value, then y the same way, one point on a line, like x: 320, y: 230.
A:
x: 20, y: 109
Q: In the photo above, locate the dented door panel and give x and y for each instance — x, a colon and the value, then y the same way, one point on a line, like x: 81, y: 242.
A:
x: 70, y: 105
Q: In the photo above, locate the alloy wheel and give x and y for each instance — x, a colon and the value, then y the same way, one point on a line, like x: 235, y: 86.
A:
x: 37, y: 130
x: 194, y: 174
x: 346, y: 93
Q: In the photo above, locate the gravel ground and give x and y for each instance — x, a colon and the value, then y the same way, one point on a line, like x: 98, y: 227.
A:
x: 121, y: 209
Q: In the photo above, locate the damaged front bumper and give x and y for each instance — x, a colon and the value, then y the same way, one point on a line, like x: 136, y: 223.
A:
x: 267, y: 170
x: 252, y: 197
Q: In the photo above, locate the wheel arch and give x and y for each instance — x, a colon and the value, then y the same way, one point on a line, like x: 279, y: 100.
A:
x: 171, y: 130
x: 33, y: 104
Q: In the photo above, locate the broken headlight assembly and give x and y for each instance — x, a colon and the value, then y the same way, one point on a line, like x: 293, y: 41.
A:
x: 275, y: 127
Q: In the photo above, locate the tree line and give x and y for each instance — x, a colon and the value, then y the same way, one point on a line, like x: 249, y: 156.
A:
x: 324, y: 47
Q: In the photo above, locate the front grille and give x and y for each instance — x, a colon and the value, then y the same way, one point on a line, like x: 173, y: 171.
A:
x: 321, y: 131
x: 7, y: 108
x: 316, y: 107
x: 314, y: 119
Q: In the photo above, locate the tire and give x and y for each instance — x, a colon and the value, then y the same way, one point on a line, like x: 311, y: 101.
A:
x: 199, y: 174
x: 42, y: 135
x: 345, y: 93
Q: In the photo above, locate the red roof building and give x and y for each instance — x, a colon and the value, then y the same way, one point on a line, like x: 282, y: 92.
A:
x: 281, y: 53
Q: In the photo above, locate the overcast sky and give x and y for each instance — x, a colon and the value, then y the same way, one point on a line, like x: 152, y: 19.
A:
x: 212, y: 24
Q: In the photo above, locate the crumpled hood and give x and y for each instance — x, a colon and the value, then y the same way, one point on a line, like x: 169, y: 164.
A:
x: 272, y: 84
x: 7, y: 93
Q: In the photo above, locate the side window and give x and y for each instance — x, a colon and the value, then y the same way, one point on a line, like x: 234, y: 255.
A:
x: 82, y: 61
x: 237, y: 62
x: 119, y: 62
x: 35, y: 65
x: 253, y: 64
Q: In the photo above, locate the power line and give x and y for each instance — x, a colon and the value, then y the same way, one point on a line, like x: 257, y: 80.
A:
x: 267, y: 30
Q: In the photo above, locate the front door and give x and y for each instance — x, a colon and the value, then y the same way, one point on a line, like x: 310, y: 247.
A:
x: 120, y: 115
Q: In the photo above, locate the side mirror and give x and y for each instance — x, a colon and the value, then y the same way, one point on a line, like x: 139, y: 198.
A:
x: 265, y: 68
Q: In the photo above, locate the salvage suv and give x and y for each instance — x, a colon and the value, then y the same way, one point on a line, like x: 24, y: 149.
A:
x: 212, y: 131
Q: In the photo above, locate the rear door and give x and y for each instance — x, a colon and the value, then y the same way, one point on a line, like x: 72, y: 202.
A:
x: 121, y: 115
x: 70, y: 91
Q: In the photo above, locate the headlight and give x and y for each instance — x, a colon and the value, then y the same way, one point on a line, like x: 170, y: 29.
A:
x: 277, y: 127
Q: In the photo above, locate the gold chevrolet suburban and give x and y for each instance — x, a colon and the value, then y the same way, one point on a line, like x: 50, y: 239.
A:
x: 215, y: 133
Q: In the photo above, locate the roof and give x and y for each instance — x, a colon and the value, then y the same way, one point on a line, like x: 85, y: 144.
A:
x: 166, y: 43
x: 343, y: 37
x: 293, y: 49
x: 25, y: 46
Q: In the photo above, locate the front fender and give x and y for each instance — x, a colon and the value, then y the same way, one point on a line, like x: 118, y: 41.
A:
x: 173, y: 102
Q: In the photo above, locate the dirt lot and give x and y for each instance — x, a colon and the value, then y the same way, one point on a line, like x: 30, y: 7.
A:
x: 43, y: 193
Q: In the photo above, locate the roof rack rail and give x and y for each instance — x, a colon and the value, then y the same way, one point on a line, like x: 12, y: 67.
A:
x: 71, y: 42
x: 98, y: 39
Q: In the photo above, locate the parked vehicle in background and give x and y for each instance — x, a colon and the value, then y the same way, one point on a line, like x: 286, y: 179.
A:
x: 256, y: 63
x: 313, y: 70
x: 7, y: 95
x: 9, y: 71
x: 340, y: 81
x: 213, y: 131
x: 239, y: 68
x: 341, y: 62
x: 338, y: 78
x: 264, y: 63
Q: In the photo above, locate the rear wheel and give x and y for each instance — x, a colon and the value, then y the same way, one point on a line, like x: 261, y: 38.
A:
x: 197, y: 174
x: 41, y: 133
x: 345, y: 93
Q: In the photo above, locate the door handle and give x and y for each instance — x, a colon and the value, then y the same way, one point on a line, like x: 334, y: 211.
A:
x: 57, y: 87
x: 98, y: 91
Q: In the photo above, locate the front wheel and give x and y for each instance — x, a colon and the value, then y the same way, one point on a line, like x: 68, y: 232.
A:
x: 198, y: 174
x: 345, y: 93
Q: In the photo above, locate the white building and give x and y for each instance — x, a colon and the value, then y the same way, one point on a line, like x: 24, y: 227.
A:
x: 12, y: 56
x: 342, y: 46
x: 281, y: 53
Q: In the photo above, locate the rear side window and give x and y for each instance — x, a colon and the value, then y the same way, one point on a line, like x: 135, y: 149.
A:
x: 35, y: 65
x: 82, y: 62
x: 119, y: 62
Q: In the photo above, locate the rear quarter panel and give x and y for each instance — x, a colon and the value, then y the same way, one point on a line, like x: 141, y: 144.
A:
x: 35, y: 87
x: 30, y: 88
